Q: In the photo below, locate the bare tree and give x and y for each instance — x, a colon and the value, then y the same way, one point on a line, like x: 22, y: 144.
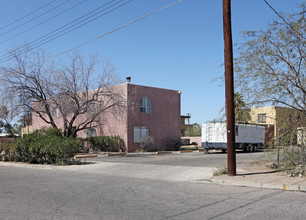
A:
x: 271, y: 64
x: 76, y: 90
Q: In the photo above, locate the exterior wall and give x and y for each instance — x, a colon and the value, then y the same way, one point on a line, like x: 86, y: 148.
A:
x: 111, y: 122
x: 5, y: 140
x: 196, y: 139
x: 26, y: 130
x: 184, y: 126
x: 269, y: 111
x: 278, y: 117
x: 163, y: 122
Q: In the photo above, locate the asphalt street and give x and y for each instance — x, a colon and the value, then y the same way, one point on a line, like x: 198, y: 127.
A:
x: 76, y: 193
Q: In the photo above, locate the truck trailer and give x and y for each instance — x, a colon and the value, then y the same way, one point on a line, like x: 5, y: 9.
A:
x: 248, y: 137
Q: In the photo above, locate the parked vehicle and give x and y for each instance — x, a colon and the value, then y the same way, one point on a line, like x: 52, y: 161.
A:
x: 248, y: 137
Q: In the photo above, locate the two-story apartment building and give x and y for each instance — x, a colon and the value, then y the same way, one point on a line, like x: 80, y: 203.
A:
x: 281, y: 119
x: 150, y: 111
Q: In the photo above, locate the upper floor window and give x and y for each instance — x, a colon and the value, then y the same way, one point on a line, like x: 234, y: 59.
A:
x: 145, y: 105
x: 55, y: 112
x: 262, y: 118
x: 91, y: 108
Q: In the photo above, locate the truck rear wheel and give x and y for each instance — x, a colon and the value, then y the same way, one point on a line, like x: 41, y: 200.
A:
x: 247, y: 148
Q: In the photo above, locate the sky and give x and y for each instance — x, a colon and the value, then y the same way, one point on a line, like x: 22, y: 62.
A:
x: 180, y: 47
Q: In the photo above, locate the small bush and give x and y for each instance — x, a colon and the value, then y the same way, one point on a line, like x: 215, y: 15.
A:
x: 220, y: 172
x: 147, y: 144
x: 46, y: 146
x: 173, y: 144
x: 7, y: 148
x: 294, y: 160
x: 107, y: 143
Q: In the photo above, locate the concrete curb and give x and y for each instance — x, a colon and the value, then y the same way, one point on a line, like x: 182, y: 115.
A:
x: 115, y: 154
x: 284, y: 187
x: 185, y: 151
x: 25, y: 165
x: 163, y: 152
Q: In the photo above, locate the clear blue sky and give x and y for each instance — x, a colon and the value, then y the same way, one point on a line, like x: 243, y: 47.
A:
x: 178, y: 48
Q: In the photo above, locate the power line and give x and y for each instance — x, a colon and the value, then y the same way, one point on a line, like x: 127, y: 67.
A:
x: 285, y: 22
x: 112, y: 31
x: 46, y: 20
x: 34, y: 18
x: 52, y: 35
x: 123, y: 26
x: 32, y: 12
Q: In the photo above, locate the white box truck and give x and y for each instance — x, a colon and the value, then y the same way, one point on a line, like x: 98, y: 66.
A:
x: 248, y: 137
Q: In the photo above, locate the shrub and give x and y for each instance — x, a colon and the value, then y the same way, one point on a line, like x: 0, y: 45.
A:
x: 173, y: 144
x: 7, y: 148
x: 107, y: 143
x: 46, y: 146
x: 221, y: 171
x: 147, y: 144
x: 294, y: 160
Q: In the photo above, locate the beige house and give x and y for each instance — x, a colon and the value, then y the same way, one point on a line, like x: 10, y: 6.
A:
x: 281, y: 119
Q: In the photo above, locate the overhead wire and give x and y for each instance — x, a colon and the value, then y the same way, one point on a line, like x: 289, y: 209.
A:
x: 42, y: 14
x: 116, y: 29
x: 286, y: 22
x: 112, y: 31
x: 59, y: 32
x: 46, y: 20
x: 30, y: 13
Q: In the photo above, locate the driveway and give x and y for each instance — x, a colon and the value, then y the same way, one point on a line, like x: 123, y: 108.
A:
x: 184, y: 167
x: 194, y: 159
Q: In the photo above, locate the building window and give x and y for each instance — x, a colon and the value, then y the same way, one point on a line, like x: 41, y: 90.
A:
x: 55, y: 112
x: 262, y: 118
x: 91, y: 132
x: 145, y: 105
x: 91, y: 108
x: 140, y: 132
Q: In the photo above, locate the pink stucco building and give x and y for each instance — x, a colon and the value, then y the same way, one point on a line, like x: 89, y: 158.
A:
x: 150, y: 111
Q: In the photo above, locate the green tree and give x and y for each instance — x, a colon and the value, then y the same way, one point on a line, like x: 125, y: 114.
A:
x: 194, y: 130
x: 241, y: 113
x: 270, y: 66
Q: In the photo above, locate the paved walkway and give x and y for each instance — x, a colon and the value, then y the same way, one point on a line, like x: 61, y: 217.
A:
x: 262, y: 179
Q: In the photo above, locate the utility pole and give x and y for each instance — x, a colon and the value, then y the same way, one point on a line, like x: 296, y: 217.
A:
x: 229, y: 88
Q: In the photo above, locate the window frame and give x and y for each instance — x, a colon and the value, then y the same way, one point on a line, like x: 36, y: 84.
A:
x: 55, y: 112
x: 140, y: 132
x: 262, y: 118
x: 91, y: 108
x: 89, y: 132
x: 145, y: 105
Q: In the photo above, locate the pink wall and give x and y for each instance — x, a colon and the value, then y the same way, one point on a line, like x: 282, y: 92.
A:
x: 163, y: 122
x: 198, y: 140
